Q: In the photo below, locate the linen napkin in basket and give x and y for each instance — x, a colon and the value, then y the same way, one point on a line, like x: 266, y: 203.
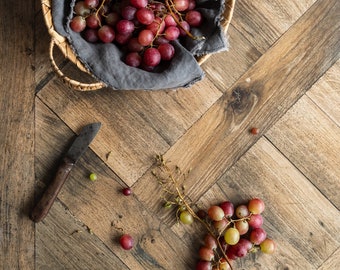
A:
x: 105, y: 62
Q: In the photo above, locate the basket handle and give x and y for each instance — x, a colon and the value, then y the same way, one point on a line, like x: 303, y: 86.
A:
x: 70, y: 82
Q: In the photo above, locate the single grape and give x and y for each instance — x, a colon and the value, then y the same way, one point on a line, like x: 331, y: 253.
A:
x: 228, y: 208
x: 237, y: 250
x: 184, y: 28
x: 125, y: 27
x: 242, y: 211
x: 93, y: 177
x: 126, y: 241
x: 216, y: 213
x: 231, y: 236
x: 90, y: 35
x: 206, y: 254
x: 254, y: 131
x: 204, y: 265
x: 221, y: 225
x: 192, y: 4
x: 170, y: 21
x: 139, y: 3
x: 81, y: 9
x: 134, y: 46
x: 167, y: 51
x: 145, y: 16
x: 186, y: 218
x: 257, y: 236
x: 210, y: 242
x: 127, y: 191
x: 122, y: 39
x: 223, y: 265
x: 106, y: 34
x: 157, y: 26
x: 268, y: 246
x: 171, y: 33
x: 256, y: 206
x: 242, y: 226
x: 93, y: 21
x: 181, y: 5
x: 160, y: 40
x: 78, y: 24
x: 128, y: 12
x: 91, y: 3
x: 145, y: 37
x: 255, y: 221
x: 112, y: 18
x: 194, y: 18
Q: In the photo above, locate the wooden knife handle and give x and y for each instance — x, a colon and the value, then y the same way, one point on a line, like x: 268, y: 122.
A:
x: 41, y: 209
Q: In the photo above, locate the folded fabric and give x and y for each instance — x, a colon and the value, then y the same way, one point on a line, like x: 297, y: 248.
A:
x: 104, y: 60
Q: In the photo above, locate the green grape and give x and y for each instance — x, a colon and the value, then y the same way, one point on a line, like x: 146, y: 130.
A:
x: 93, y: 177
x: 186, y: 218
x: 268, y: 246
x: 231, y: 236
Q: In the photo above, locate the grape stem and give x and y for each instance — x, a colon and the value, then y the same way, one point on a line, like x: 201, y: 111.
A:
x: 182, y: 201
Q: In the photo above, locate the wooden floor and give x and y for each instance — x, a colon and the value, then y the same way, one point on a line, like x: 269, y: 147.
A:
x: 281, y: 75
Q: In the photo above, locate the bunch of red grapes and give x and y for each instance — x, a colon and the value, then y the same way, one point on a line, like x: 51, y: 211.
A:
x: 143, y: 28
x: 233, y: 233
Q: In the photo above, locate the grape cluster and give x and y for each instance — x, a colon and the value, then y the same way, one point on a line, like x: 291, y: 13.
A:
x: 233, y: 232
x: 143, y: 28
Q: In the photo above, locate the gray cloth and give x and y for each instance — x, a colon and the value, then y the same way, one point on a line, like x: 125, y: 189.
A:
x: 105, y: 60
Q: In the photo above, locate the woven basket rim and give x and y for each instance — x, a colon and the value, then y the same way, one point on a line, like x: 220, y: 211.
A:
x: 65, y: 48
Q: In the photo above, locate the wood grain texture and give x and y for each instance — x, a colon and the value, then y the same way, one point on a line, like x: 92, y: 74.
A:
x: 305, y: 120
x: 16, y: 135
x: 326, y: 93
x: 332, y: 262
x: 259, y: 98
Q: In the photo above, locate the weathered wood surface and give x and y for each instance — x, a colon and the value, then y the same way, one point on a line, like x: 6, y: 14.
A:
x: 16, y: 135
x: 280, y: 74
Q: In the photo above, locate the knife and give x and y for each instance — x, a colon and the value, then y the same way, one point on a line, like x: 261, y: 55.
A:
x: 75, y: 151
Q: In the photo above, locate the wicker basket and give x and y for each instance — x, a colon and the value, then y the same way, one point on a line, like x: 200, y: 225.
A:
x: 62, y: 44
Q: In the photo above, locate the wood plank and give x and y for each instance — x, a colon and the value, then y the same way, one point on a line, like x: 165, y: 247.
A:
x: 136, y: 124
x: 332, y: 262
x: 295, y: 213
x: 326, y: 93
x: 309, y: 139
x: 263, y: 22
x: 259, y: 98
x: 16, y: 135
x: 225, y: 68
x: 63, y: 242
x: 101, y: 207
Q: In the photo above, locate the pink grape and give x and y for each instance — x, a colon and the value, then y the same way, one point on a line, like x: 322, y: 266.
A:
x: 93, y: 21
x: 216, y: 213
x: 128, y: 12
x: 157, y: 26
x: 242, y: 226
x: 228, y: 208
x: 192, y: 4
x: 152, y: 58
x: 181, y: 5
x: 126, y: 241
x: 134, y: 46
x: 133, y: 59
x: 221, y: 225
x: 170, y: 21
x: 112, y: 18
x: 106, y: 34
x: 122, y: 39
x: 242, y: 211
x: 145, y: 16
x: 204, y: 265
x: 125, y: 27
x: 256, y: 206
x: 91, y: 3
x: 194, y: 18
x: 257, y: 236
x: 139, y: 3
x: 91, y: 35
x: 81, y: 9
x: 210, y: 242
x: 167, y: 51
x: 145, y: 37
x: 184, y: 28
x: 255, y: 221
x: 172, y: 33
x: 78, y: 24
x: 206, y: 254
